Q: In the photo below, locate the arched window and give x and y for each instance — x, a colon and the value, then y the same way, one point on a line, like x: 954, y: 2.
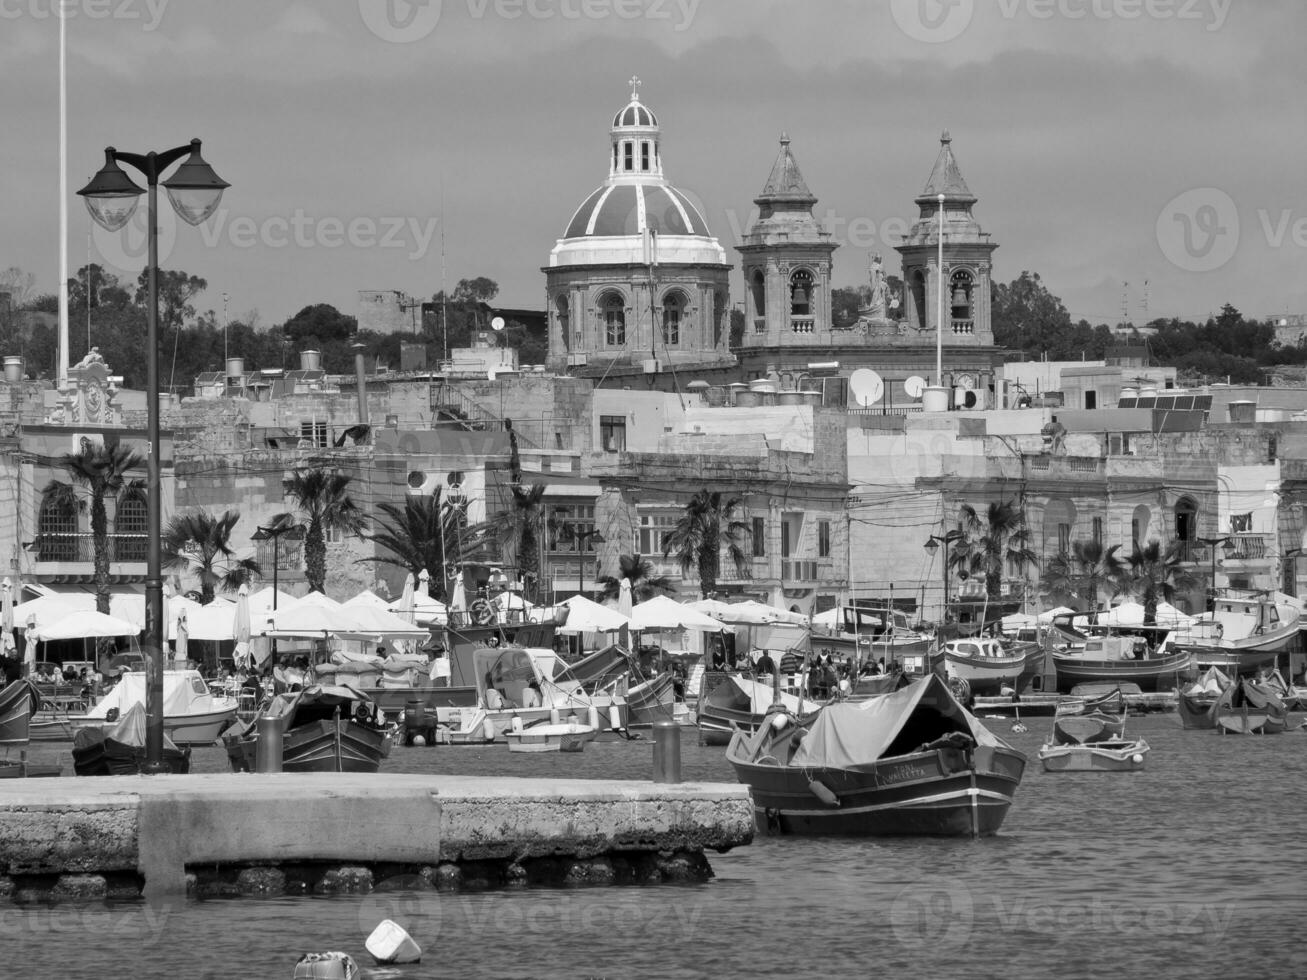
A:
x: 718, y: 316
x: 1059, y: 525
x: 758, y: 290
x: 56, y: 529
x: 960, y: 305
x: 612, y: 308
x: 129, y: 526
x: 673, y: 310
x: 801, y: 293
x: 1186, y: 519
x: 919, y: 298
x: 564, y: 314
x: 1139, y: 526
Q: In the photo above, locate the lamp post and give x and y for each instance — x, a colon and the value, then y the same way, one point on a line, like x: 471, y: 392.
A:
x: 1227, y: 546
x: 281, y: 526
x: 931, y: 546
x: 111, y: 197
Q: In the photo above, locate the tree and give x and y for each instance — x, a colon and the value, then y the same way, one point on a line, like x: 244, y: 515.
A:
x: 201, y: 543
x: 93, y: 287
x: 425, y: 533
x: 1083, y: 573
x: 321, y: 323
x: 641, y: 573
x: 993, y: 544
x: 1156, y: 574
x: 322, y: 496
x: 1025, y: 315
x: 699, y: 535
x: 176, y: 290
x: 102, y: 470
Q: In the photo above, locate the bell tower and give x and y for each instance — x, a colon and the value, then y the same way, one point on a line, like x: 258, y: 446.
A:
x: 966, y: 268
x: 786, y: 259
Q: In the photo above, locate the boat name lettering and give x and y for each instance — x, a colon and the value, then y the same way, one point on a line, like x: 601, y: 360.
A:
x: 909, y: 771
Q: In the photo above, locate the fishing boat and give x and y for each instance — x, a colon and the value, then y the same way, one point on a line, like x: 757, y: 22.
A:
x: 323, y: 729
x: 731, y: 702
x: 192, y: 714
x: 1104, y: 696
x: 1037, y: 705
x: 912, y: 762
x: 1121, y: 660
x: 119, y: 749
x: 19, y: 700
x: 1084, y: 729
x: 569, y: 736
x: 1110, y: 755
x: 1196, y: 702
x: 1243, y: 634
x: 1250, y: 708
x: 525, y: 685
x: 988, y: 664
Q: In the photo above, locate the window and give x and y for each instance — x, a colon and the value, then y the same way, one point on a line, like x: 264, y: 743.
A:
x: 1064, y: 539
x: 673, y: 305
x: 612, y: 433
x: 1098, y: 530
x: 1136, y: 532
x: 56, y: 528
x: 785, y: 539
x: 960, y: 296
x: 653, y: 532
x: 759, y: 537
x: 613, y: 310
x: 563, y: 312
x: 758, y: 291
x: 644, y: 155
x: 314, y: 433
x: 614, y: 156
x: 823, y: 539
x: 129, y: 527
x: 288, y: 551
x: 627, y: 151
x: 1091, y: 400
x: 571, y: 525
x: 801, y: 293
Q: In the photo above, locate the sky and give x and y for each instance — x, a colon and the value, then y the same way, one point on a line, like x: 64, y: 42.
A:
x: 1125, y: 150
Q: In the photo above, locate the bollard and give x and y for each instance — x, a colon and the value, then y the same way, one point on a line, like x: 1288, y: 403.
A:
x: 667, y: 752
x: 267, y: 752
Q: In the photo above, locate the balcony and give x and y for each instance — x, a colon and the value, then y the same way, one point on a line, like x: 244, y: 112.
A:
x: 79, y: 547
x: 1247, y: 547
x: 794, y: 571
x: 964, y: 327
x: 802, y: 324
x: 760, y: 324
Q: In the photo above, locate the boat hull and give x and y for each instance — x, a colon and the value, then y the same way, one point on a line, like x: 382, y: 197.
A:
x: 1151, y: 674
x: 1196, y: 711
x: 1113, y: 756
x: 550, y: 738
x: 651, y: 701
x: 942, y: 793
x: 322, y: 745
x: 989, y: 675
x: 18, y: 702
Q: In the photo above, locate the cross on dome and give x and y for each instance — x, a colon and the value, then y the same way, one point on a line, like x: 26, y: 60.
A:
x: 635, y: 88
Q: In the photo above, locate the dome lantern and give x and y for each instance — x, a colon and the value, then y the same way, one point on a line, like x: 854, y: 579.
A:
x: 634, y: 139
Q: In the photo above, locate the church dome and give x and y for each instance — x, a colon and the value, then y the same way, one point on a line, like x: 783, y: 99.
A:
x: 636, y: 216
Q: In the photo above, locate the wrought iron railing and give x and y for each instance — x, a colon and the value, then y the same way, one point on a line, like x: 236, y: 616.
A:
x: 80, y: 547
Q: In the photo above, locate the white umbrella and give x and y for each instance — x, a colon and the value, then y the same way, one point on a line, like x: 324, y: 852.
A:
x: 368, y: 598
x: 661, y: 612
x: 624, y: 604
x: 458, y: 599
x: 260, y: 603
x: 317, y: 615
x: 240, y: 628
x: 404, y: 608
x: 83, y: 624
x: 511, y: 600
x: 6, y: 616
x: 1016, y: 621
x: 428, y: 610
x: 1048, y: 614
x: 180, y: 650
x: 587, y: 616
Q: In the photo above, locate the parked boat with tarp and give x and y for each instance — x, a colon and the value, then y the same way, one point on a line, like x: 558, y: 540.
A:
x: 323, y: 729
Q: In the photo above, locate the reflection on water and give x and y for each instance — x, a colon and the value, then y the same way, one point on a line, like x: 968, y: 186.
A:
x: 1193, y: 867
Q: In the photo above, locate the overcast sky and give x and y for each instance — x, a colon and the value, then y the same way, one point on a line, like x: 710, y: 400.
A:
x: 1108, y: 141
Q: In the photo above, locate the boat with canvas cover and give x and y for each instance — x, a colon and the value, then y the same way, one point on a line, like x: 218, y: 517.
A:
x: 192, y: 714
x: 19, y: 701
x: 912, y: 762
x: 733, y: 702
x: 323, y: 729
x: 118, y: 749
x: 1248, y: 707
x: 1196, y: 702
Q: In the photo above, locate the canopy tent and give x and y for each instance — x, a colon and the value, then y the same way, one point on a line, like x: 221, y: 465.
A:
x: 750, y: 612
x: 1017, y: 621
x: 1048, y: 615
x: 128, y: 606
x: 81, y: 624
x: 313, y: 615
x: 1132, y: 614
x: 211, y: 622
x: 587, y: 616
x: 260, y: 603
x: 367, y: 598
x: 662, y: 612
x: 382, y: 622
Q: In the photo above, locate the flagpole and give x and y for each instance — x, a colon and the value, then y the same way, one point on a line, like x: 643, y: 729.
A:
x: 63, y: 201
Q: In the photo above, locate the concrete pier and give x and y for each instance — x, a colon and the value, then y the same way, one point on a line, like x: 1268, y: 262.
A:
x: 169, y: 835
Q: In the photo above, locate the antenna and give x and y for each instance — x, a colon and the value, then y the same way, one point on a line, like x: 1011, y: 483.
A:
x: 1144, y: 303
x: 1125, y: 302
x: 866, y: 386
x: 444, y: 288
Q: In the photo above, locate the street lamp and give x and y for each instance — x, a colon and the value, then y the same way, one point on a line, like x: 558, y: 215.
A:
x: 932, y: 545
x: 281, y: 526
x: 195, y: 192
x: 1227, y: 546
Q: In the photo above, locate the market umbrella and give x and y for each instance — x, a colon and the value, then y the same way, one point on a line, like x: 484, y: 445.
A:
x: 240, y: 628
x: 404, y: 608
x: 180, y: 650
x: 624, y: 604
x: 587, y: 616
x: 662, y: 612
x: 83, y: 624
x: 368, y: 598
x: 458, y: 600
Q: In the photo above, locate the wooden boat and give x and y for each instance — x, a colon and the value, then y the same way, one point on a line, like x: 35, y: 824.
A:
x: 1113, y: 755
x: 1105, y: 696
x: 913, y: 762
x: 1120, y: 660
x: 192, y: 714
x: 569, y: 736
x: 988, y: 665
x: 1084, y: 729
x: 1028, y: 705
x: 330, y: 965
x: 323, y: 729
x: 734, y: 702
x: 1250, y: 708
x: 1244, y: 634
x: 119, y: 749
x: 1197, y: 702
x: 18, y: 702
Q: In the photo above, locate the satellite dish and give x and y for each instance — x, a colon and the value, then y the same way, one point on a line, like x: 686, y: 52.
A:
x: 914, y: 387
x: 497, y: 323
x: 866, y: 386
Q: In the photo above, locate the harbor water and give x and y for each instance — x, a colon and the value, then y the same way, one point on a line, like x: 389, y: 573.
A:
x: 1195, y: 866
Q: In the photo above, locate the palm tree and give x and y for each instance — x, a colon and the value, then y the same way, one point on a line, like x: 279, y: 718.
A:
x: 201, y: 542
x: 698, y: 537
x: 425, y: 533
x: 322, y: 496
x: 517, y: 532
x: 1155, y: 575
x: 102, y: 470
x: 1084, y: 572
x: 991, y: 545
x: 645, y: 582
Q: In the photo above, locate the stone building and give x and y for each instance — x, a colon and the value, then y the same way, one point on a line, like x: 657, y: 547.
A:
x: 637, y: 278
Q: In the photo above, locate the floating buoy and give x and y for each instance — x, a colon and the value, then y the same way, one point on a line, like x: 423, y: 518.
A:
x: 327, y: 966
x: 390, y: 943
x: 419, y: 740
x: 823, y: 792
x: 1137, y: 758
x: 780, y: 721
